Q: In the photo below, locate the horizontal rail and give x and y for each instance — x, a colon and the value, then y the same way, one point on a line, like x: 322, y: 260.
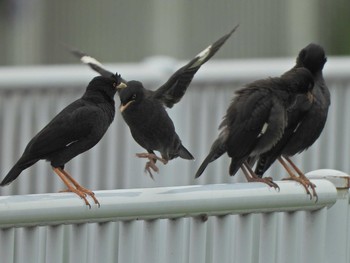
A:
x: 155, y: 69
x: 162, y: 202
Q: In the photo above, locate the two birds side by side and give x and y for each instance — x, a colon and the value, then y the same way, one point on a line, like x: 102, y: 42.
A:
x: 268, y: 119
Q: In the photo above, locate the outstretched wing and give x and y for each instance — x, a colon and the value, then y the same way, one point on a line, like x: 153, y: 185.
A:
x: 172, y: 91
x: 95, y: 65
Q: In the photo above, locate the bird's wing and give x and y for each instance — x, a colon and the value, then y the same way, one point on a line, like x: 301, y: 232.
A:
x: 172, y: 91
x: 71, y: 124
x: 247, y: 119
x: 308, y: 131
x: 95, y: 65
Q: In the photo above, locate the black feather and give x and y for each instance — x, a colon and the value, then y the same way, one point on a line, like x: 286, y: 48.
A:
x: 74, y: 130
x: 306, y: 119
x: 256, y: 118
x: 144, y: 110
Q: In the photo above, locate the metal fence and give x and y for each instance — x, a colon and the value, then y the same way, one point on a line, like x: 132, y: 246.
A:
x: 30, y: 97
x: 209, y: 223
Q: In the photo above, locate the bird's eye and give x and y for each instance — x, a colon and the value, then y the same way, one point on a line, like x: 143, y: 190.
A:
x: 114, y: 84
x: 133, y: 96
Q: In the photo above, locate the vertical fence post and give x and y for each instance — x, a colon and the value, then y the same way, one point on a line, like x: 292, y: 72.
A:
x: 337, y: 241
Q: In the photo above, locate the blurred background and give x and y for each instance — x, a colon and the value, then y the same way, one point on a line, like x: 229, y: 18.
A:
x: 38, y: 77
x: 122, y: 31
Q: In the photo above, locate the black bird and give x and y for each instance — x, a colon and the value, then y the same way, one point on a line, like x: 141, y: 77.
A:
x: 305, y: 120
x: 74, y: 130
x: 144, y: 110
x: 256, y: 119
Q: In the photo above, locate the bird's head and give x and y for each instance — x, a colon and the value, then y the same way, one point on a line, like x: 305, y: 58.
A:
x: 302, y: 81
x: 131, y: 95
x: 108, y: 85
x: 119, y: 82
x: 312, y: 57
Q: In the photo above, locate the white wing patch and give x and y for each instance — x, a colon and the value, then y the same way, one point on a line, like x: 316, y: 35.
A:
x: 296, y: 128
x: 71, y: 143
x: 90, y: 60
x: 263, y: 130
x: 201, y: 56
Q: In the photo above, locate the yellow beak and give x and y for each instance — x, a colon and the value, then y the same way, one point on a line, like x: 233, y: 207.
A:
x: 123, y: 107
x: 122, y: 85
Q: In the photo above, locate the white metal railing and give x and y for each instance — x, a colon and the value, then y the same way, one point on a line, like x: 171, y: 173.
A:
x: 162, y: 202
x: 247, y: 222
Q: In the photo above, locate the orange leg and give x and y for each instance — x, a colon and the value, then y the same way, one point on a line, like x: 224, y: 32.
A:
x: 252, y: 177
x: 63, y: 177
x: 303, y: 177
x: 293, y: 177
x: 81, y: 188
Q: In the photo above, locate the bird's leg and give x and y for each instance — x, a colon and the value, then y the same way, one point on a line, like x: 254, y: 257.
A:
x: 252, y: 177
x: 151, y: 156
x: 151, y: 164
x: 81, y: 188
x: 293, y: 177
x: 62, y: 175
x: 303, y: 177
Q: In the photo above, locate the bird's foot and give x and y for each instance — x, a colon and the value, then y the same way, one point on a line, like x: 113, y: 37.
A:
x: 68, y: 181
x: 81, y: 194
x: 90, y: 193
x: 78, y: 188
x: 151, y: 156
x: 302, y: 179
x: 306, y: 183
x: 82, y: 191
x: 252, y: 177
x: 151, y: 165
x: 266, y: 180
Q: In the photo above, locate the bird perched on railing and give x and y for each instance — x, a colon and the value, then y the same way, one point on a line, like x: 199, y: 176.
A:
x: 74, y: 130
x: 256, y: 119
x: 144, y: 110
x: 305, y: 120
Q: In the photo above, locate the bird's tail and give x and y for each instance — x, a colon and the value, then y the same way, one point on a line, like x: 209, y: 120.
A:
x: 264, y: 163
x: 234, y: 166
x: 216, y: 151
x: 184, y: 153
x: 260, y: 166
x: 12, y: 175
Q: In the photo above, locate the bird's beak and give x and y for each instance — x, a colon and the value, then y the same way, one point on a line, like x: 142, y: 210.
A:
x: 123, y: 107
x: 122, y: 85
x: 310, y: 97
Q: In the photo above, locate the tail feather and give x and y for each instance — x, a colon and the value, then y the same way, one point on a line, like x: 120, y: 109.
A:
x: 185, y: 154
x: 204, y: 165
x: 12, y: 175
x: 216, y: 151
x: 234, y: 166
x: 264, y: 163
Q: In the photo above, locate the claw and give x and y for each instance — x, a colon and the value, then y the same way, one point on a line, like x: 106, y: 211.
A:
x: 252, y: 177
x: 299, y: 180
x: 151, y: 164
